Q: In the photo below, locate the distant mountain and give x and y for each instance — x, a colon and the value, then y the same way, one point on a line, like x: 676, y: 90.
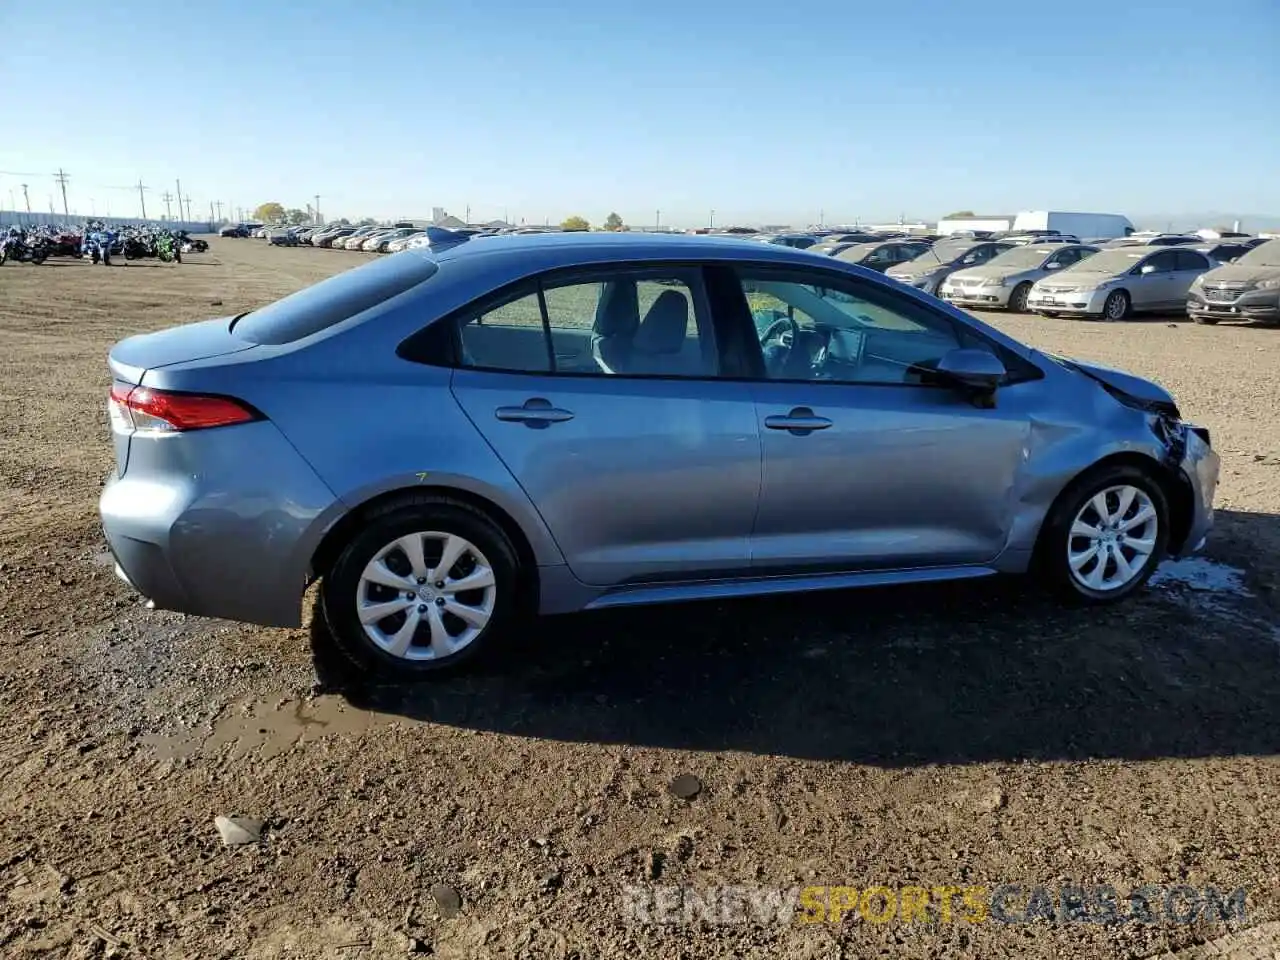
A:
x: 1249, y: 222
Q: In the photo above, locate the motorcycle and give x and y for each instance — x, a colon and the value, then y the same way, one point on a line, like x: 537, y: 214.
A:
x: 19, y: 248
x: 167, y: 248
x: 98, y: 246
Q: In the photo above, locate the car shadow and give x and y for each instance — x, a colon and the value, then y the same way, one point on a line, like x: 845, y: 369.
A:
x: 968, y: 672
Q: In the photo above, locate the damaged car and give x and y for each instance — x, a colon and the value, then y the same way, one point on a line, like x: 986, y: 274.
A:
x: 450, y: 440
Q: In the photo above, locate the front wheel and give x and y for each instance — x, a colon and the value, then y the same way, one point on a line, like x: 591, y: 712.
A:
x: 38, y: 257
x: 1018, y: 299
x: 1116, y: 306
x: 424, y: 586
x: 1105, y: 535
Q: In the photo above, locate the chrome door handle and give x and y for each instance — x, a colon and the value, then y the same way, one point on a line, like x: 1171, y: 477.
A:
x: 536, y: 412
x: 799, y: 420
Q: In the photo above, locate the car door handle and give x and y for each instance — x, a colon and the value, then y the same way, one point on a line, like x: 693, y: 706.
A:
x: 799, y: 419
x: 536, y: 412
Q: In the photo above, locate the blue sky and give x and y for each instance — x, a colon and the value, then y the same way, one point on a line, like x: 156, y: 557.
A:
x: 763, y: 110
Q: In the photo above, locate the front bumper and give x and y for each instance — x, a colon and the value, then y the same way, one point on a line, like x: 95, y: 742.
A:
x: 1200, y: 466
x: 975, y: 296
x: 1082, y: 302
x: 1250, y: 305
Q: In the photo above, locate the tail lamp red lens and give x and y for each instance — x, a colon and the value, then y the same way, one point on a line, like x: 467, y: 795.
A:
x: 145, y: 408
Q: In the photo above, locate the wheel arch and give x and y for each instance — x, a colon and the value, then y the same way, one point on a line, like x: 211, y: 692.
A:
x: 1175, y: 487
x: 337, y: 536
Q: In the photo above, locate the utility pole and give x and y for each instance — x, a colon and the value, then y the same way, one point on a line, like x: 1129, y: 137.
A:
x: 657, y: 219
x: 712, y: 224
x: 142, y: 199
x: 180, y: 216
x: 211, y: 220
x: 167, y: 197
x: 219, y: 206
x: 467, y: 218
x: 62, y: 178
x: 26, y: 197
x: 316, y: 211
x: 188, y: 200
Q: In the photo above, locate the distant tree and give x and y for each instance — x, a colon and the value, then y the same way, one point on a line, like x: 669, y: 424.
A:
x: 958, y: 214
x: 575, y: 223
x: 613, y: 222
x: 294, y: 216
x: 269, y: 212
x: 366, y: 222
x: 344, y: 222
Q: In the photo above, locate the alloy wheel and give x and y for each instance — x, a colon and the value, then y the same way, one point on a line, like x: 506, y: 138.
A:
x: 426, y: 596
x: 1112, y: 538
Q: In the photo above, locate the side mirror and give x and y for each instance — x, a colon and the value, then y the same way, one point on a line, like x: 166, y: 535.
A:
x: 1053, y: 265
x: 979, y: 371
x: 1148, y: 268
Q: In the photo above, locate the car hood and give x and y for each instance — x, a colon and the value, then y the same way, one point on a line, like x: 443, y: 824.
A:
x: 1118, y: 381
x: 1241, y: 273
x: 913, y: 269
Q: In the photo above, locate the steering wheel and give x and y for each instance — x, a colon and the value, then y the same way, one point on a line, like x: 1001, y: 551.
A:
x: 777, y: 340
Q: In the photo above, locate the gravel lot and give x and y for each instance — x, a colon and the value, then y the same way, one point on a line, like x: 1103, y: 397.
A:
x: 965, y: 735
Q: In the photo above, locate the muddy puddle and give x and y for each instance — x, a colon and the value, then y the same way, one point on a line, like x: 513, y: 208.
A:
x: 249, y: 727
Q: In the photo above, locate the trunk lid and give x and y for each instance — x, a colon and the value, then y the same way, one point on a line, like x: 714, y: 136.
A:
x: 132, y: 357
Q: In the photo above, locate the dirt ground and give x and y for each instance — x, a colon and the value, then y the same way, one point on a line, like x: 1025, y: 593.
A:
x: 970, y: 735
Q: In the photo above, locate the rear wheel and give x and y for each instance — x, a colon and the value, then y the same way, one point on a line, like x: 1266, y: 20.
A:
x: 424, y: 586
x: 1018, y: 299
x: 1116, y: 306
x: 1105, y: 535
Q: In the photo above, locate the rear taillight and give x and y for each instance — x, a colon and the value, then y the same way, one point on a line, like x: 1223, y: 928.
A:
x: 137, y: 409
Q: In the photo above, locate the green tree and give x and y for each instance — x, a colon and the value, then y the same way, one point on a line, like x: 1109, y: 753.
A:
x: 613, y: 222
x: 294, y: 217
x: 269, y: 212
x: 959, y: 213
x: 575, y: 223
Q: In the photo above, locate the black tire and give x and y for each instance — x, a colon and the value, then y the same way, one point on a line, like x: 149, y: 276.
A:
x: 418, y: 513
x: 1051, y: 549
x: 1018, y: 299
x: 38, y: 257
x: 1116, y: 306
x: 1207, y: 321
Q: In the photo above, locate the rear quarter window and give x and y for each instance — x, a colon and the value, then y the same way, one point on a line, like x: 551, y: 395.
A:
x: 331, y: 301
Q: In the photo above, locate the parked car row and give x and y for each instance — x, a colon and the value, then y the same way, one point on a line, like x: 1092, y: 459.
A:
x: 1211, y: 281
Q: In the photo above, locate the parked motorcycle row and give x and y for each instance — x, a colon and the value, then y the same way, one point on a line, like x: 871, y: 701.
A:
x: 98, y: 243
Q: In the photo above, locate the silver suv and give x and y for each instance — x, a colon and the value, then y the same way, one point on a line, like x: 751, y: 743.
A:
x: 1246, y: 289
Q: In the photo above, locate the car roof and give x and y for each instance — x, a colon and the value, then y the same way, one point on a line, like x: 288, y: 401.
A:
x: 563, y: 249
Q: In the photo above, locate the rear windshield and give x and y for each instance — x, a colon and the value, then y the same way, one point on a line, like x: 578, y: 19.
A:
x: 331, y: 301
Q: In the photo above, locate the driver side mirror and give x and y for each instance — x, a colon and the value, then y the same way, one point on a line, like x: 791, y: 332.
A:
x: 1053, y: 265
x: 1148, y: 268
x: 979, y: 371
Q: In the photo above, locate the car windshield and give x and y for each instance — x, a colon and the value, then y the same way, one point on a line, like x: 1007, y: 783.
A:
x: 1112, y: 261
x: 1022, y: 257
x: 1264, y: 255
x: 944, y: 251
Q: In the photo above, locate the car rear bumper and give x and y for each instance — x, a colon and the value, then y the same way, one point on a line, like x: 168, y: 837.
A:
x: 218, y: 523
